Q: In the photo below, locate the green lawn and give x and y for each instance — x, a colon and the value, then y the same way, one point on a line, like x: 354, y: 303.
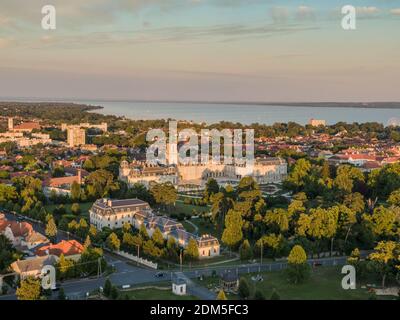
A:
x: 189, y: 208
x: 85, y: 206
x: 188, y: 227
x: 206, y: 227
x: 323, y: 284
x: 154, y: 294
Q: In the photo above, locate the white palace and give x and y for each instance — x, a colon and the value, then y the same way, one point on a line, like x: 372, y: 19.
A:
x: 264, y: 171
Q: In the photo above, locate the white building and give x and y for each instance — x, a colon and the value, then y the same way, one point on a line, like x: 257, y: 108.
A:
x: 264, y: 171
x: 179, y: 286
x: 138, y: 173
x: 108, y: 213
x: 317, y: 123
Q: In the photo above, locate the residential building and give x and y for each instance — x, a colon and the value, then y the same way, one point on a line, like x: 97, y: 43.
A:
x: 21, y: 234
x: 102, y: 126
x: 32, y: 267
x: 71, y: 249
x: 76, y: 136
x: 317, y: 123
x: 23, y: 126
x: 61, y: 185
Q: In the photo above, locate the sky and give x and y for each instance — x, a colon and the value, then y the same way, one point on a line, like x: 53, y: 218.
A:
x: 200, y: 50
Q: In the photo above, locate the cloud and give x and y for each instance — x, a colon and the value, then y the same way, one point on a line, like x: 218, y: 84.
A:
x: 215, y: 33
x: 395, y: 11
x: 279, y: 14
x: 367, y: 11
x: 305, y: 13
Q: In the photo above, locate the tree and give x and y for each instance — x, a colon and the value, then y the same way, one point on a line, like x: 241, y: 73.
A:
x: 212, y: 187
x: 75, y: 191
x: 245, y: 250
x: 100, y: 184
x: 114, y: 293
x: 113, y: 242
x: 221, y: 295
x: 259, y: 295
x: 87, y: 242
x: 51, y: 228
x: 157, y: 237
x: 29, y: 289
x: 164, y: 194
x: 346, y: 176
x: 65, y: 267
x: 381, y: 221
x: 76, y: 209
x: 233, y: 233
x: 298, y: 174
x: 130, y: 240
x: 383, y: 257
x: 279, y: 218
x: 143, y: 232
x: 127, y: 227
x: 107, y: 287
x: 244, y: 288
x: 6, y: 253
x: 319, y: 223
x: 192, y: 250
x: 61, y: 294
x: 298, y: 268
x: 394, y: 198
x: 275, y: 295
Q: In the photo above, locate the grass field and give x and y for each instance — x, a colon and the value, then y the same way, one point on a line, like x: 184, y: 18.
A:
x: 323, y: 284
x: 84, y: 208
x: 154, y: 294
x: 189, y: 209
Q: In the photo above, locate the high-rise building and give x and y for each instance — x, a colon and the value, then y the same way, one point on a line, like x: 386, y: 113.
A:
x: 10, y: 124
x: 76, y: 136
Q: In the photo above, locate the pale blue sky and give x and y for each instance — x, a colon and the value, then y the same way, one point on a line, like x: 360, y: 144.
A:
x: 244, y: 50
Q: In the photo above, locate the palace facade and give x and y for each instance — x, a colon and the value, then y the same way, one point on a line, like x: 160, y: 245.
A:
x: 113, y: 214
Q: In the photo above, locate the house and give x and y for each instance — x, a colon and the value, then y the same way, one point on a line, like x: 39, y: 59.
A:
x: 179, y: 286
x: 15, y: 231
x: 114, y: 213
x: 21, y: 234
x: 23, y: 127
x: 32, y: 267
x: 33, y: 240
x: 61, y: 185
x: 71, y: 249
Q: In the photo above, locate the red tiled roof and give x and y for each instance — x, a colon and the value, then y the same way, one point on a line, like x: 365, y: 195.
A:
x: 57, y: 182
x: 27, y: 126
x: 67, y: 248
x: 18, y: 229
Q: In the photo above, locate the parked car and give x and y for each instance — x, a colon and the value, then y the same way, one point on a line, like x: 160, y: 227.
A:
x: 160, y: 274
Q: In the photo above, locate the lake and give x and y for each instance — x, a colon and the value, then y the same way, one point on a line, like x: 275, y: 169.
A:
x: 243, y: 113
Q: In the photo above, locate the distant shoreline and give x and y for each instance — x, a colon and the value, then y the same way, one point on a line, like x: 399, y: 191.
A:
x: 362, y: 105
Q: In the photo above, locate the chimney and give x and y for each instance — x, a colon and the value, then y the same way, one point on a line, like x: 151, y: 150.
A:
x: 109, y: 202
